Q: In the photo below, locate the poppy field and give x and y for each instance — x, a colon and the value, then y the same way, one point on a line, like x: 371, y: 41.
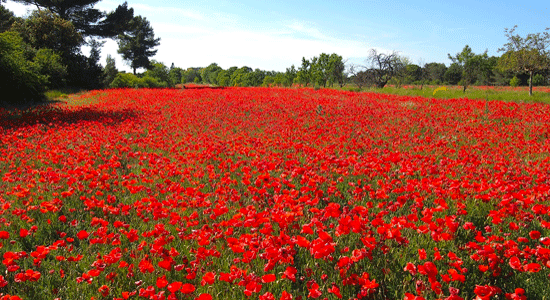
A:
x: 271, y: 193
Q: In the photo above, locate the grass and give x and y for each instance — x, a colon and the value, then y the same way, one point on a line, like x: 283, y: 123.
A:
x: 62, y: 93
x: 492, y: 93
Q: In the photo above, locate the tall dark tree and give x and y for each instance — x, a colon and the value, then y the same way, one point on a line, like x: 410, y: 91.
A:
x: 7, y: 18
x: 109, y: 72
x: 44, y: 29
x: 19, y: 84
x: 434, y: 72
x: 136, y: 45
x: 88, y: 20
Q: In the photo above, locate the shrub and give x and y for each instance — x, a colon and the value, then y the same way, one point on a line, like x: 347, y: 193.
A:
x: 20, y: 84
x: 49, y: 64
x: 151, y: 82
x: 126, y: 80
x: 515, y: 81
x: 539, y: 80
x: 123, y: 80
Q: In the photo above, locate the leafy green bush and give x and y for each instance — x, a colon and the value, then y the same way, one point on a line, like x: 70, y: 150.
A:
x: 49, y: 64
x: 515, y: 81
x: 20, y: 84
x: 151, y: 82
x: 126, y: 80
x: 540, y: 80
x: 123, y: 80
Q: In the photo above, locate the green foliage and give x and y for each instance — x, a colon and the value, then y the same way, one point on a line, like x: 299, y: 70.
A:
x: 289, y: 76
x: 49, y: 64
x: 109, y: 72
x: 128, y: 80
x: 44, y: 29
x: 7, y: 18
x: 224, y: 78
x: 85, y: 71
x: 191, y: 75
x: 20, y: 84
x: 540, y: 80
x: 175, y: 74
x: 434, y: 71
x: 525, y: 54
x: 453, y: 74
x: 124, y: 80
x: 473, y: 65
x: 515, y: 82
x: 209, y: 74
x: 160, y: 73
x: 150, y: 82
x: 87, y: 20
x: 136, y: 45
x: 304, y: 74
x: 241, y: 77
x: 323, y: 70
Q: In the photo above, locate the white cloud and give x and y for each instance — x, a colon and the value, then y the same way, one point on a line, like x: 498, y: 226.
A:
x: 18, y: 9
x: 192, y: 38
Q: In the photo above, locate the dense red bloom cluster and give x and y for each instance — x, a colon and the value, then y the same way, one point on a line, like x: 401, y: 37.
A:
x: 253, y: 193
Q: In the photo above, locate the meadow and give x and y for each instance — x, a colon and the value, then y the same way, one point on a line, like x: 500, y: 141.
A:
x: 272, y: 193
x: 504, y: 93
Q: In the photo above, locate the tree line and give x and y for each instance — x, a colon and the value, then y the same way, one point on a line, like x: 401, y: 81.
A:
x: 43, y: 51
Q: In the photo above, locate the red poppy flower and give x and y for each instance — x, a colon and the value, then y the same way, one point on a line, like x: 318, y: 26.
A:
x: 185, y: 288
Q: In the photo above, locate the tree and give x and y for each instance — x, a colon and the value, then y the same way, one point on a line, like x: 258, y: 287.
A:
x: 413, y: 74
x: 191, y: 75
x: 402, y: 75
x: 434, y: 72
x: 321, y: 69
x: 86, y: 71
x: 87, y: 20
x: 136, y: 46
x: 48, y: 63
x: 7, y: 18
x: 110, y: 71
x: 337, y: 68
x: 224, y: 78
x: 209, y: 74
x: 241, y: 77
x: 383, y: 67
x: 453, y: 74
x: 525, y: 54
x: 43, y: 29
x: 489, y: 73
x: 160, y: 72
x: 472, y: 65
x: 175, y: 75
x: 304, y: 74
x: 289, y: 76
x: 358, y: 75
x: 20, y: 83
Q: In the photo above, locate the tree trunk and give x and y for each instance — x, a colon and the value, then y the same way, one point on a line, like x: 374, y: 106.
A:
x: 134, y: 71
x: 531, y: 83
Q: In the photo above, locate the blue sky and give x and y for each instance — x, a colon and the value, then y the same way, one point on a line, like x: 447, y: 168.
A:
x: 273, y: 35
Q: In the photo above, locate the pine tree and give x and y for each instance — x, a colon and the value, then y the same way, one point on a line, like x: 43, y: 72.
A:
x: 136, y: 46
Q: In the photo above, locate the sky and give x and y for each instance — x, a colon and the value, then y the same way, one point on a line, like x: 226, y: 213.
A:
x: 273, y: 35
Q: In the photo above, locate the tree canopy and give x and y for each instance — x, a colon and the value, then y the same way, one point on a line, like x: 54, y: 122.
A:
x: 136, y: 45
x: 88, y: 20
x: 525, y: 54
